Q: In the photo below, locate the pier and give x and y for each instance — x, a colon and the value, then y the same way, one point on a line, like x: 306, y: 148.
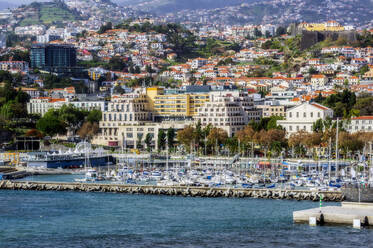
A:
x: 349, y: 213
x: 10, y: 173
x: 186, y: 191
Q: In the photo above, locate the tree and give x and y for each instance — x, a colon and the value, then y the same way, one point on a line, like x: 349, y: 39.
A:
x: 296, y: 141
x: 272, y: 123
x: 364, y: 104
x: 161, y: 140
x: 50, y: 124
x: 312, y: 70
x: 148, y: 141
x: 72, y: 116
x: 105, y: 27
x: 268, y: 34
x: 118, y: 90
x: 94, y: 116
x: 186, y: 137
x: 116, y: 63
x: 350, y: 142
x: 216, y: 138
x: 88, y: 130
x: 246, y: 135
x: 271, y: 138
x: 139, y: 140
x: 280, y: 31
x: 257, y: 33
x: 171, y: 134
x: 318, y: 126
x: 34, y: 133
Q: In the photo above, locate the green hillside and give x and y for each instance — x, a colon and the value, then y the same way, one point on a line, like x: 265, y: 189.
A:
x: 47, y: 13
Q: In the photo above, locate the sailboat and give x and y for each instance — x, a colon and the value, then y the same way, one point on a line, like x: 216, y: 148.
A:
x: 90, y: 173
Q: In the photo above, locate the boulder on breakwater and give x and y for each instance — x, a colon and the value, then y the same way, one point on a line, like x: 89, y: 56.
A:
x: 176, y: 190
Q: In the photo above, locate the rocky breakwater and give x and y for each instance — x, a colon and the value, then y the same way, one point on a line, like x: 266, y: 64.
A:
x: 175, y: 190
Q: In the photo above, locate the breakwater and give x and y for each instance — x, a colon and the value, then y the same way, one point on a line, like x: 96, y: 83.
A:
x: 175, y: 190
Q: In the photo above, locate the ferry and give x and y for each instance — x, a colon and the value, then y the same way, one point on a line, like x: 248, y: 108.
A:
x: 69, y: 159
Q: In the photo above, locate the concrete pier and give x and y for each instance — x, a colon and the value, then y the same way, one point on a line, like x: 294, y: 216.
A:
x: 175, y: 190
x: 338, y: 215
x: 10, y: 173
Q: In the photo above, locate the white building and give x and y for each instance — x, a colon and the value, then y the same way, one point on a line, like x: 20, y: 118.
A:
x: 123, y: 110
x: 360, y: 124
x: 230, y: 111
x: 302, y: 117
x: 41, y: 105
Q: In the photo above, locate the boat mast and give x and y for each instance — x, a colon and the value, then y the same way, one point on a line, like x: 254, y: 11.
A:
x: 336, y: 150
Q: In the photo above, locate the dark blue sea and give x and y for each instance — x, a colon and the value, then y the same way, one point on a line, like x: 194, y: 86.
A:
x: 70, y: 219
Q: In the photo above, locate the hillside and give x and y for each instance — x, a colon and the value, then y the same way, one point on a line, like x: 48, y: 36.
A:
x: 355, y: 12
x: 171, y: 6
x: 47, y: 13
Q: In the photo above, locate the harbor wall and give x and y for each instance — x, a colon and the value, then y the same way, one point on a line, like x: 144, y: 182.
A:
x: 175, y: 190
x: 355, y: 194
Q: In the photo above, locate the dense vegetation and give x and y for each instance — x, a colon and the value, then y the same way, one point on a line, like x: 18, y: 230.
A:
x: 69, y: 118
x: 49, y: 13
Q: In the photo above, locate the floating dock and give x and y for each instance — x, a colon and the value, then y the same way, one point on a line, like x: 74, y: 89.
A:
x: 349, y: 213
x: 299, y: 195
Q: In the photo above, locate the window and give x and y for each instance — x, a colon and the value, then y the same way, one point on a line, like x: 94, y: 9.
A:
x: 318, y: 115
x: 311, y: 114
x: 304, y: 115
x: 297, y: 114
x: 290, y: 115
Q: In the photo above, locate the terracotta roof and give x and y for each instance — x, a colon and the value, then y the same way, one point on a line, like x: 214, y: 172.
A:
x: 363, y: 118
x: 319, y: 106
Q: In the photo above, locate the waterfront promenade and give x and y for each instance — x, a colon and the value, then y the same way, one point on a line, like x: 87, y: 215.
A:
x: 332, y: 196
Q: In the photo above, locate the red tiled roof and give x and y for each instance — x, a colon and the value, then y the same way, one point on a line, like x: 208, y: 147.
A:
x: 363, y: 118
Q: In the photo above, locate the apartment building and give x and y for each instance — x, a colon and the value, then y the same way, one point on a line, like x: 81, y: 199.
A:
x: 42, y: 105
x: 319, y: 80
x: 178, y: 104
x: 134, y: 135
x: 128, y: 109
x: 360, y: 124
x: 230, y: 111
x: 269, y: 110
x: 14, y: 66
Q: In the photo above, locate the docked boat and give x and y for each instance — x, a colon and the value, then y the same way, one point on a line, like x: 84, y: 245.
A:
x: 90, y: 176
x: 70, y: 159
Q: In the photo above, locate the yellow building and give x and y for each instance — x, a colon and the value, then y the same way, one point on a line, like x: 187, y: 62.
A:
x: 332, y: 26
x: 183, y: 104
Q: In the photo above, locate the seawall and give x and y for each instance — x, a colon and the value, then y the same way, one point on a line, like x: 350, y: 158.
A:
x: 175, y: 190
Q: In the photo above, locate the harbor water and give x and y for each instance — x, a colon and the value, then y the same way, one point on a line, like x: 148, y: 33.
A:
x: 74, y: 219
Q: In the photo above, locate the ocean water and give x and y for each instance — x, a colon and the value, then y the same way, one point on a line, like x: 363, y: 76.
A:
x: 74, y: 219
